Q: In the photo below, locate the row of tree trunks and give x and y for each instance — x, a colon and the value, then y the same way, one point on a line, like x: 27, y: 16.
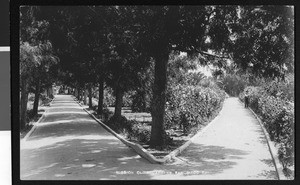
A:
x: 76, y: 93
x: 36, y: 97
x: 100, y: 98
x: 24, y: 100
x: 23, y: 104
x: 90, y: 96
x: 84, y: 96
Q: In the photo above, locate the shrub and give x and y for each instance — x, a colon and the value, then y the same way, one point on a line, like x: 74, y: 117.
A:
x: 127, y: 99
x: 281, y: 89
x: 141, y: 102
x: 189, y: 106
x: 285, y: 136
x: 107, y: 114
x: 109, y: 98
x: 119, y: 124
x: 140, y: 132
x: 277, y: 115
x: 131, y: 129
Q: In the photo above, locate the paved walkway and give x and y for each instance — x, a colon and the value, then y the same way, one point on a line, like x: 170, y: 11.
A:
x: 234, y: 147
x: 69, y: 145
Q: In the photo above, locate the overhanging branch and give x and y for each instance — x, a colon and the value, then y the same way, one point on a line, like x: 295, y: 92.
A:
x: 212, y: 55
x: 200, y: 52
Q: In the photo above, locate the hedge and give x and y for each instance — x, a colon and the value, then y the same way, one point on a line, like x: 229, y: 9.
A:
x: 190, y: 106
x: 131, y: 129
x: 277, y: 115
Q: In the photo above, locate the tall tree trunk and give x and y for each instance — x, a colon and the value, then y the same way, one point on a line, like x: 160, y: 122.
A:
x: 23, y: 106
x: 158, y: 102
x: 118, y: 103
x: 81, y: 94
x: 48, y: 91
x: 36, y: 98
x: 90, y: 96
x: 51, y: 91
x: 143, y: 94
x: 101, y: 96
x: 85, y: 96
x: 76, y: 93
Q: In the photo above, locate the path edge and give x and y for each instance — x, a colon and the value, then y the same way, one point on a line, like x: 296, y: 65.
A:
x: 136, y: 147
x: 272, y: 149
x: 35, y: 125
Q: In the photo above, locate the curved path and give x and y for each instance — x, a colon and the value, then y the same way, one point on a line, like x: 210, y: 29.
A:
x: 69, y: 145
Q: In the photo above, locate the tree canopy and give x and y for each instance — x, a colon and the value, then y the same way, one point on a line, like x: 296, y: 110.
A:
x: 119, y: 44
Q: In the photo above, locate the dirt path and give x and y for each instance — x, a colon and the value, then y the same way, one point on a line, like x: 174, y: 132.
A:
x: 69, y: 145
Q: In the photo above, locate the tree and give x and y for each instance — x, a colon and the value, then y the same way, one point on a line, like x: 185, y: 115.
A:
x: 198, y: 29
x: 114, y: 43
x: 34, y: 63
x: 177, y: 28
x: 28, y: 61
x: 80, y: 36
x: 264, y: 40
x: 35, y: 58
x: 125, y: 61
x: 178, y: 69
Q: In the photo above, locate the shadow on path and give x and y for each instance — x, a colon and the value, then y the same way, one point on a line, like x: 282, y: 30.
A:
x: 69, y: 145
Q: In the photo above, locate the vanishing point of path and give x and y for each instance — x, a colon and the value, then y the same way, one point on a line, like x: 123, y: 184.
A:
x: 69, y: 145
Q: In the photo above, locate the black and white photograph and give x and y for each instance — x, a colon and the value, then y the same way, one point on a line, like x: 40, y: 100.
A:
x: 144, y: 92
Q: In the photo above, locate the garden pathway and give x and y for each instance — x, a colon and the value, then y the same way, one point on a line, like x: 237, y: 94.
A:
x: 69, y: 145
x: 233, y: 147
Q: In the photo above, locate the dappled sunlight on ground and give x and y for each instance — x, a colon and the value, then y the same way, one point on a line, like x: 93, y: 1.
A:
x: 38, y: 143
x: 65, y: 113
x: 64, y: 108
x: 56, y: 122
x: 139, y: 116
x: 69, y: 145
